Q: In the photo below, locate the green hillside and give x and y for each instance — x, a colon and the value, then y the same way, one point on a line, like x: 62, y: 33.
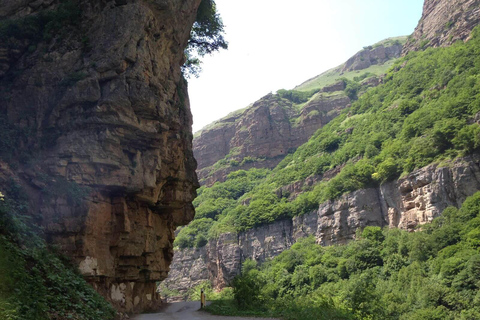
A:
x: 384, y: 274
x: 421, y: 114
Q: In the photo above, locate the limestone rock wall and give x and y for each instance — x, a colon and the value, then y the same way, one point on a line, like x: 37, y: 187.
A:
x: 443, y: 22
x: 410, y: 201
x: 102, y: 123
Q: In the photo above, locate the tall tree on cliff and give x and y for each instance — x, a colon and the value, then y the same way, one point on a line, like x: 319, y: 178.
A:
x: 206, y: 37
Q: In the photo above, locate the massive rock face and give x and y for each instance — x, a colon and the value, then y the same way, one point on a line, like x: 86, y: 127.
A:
x: 107, y: 160
x: 410, y: 201
x: 443, y: 22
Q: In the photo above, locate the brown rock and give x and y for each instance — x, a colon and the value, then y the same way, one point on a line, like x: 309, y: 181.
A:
x: 263, y: 132
x: 443, y: 22
x: 111, y: 119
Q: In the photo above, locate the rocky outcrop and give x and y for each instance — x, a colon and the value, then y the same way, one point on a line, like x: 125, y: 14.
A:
x: 406, y: 203
x: 373, y: 56
x: 263, y: 134
x: 443, y: 22
x: 99, y: 118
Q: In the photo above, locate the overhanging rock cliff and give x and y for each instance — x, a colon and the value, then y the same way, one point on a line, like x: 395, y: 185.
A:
x: 96, y: 125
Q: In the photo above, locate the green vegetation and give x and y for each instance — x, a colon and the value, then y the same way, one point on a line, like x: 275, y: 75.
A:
x: 422, y: 113
x: 391, y: 41
x: 385, y: 274
x: 35, y: 281
x: 331, y: 76
x: 213, y: 204
x: 296, y: 96
x: 206, y: 37
x: 194, y: 293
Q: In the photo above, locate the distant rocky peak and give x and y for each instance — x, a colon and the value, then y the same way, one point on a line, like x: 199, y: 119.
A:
x: 443, y: 22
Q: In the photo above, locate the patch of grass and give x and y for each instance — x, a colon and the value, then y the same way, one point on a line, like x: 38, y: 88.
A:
x: 333, y: 75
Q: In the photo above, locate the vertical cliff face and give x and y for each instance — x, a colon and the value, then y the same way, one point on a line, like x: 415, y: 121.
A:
x: 443, y: 22
x: 264, y: 133
x: 100, y: 133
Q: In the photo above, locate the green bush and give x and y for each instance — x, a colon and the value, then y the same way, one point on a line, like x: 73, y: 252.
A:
x: 384, y: 274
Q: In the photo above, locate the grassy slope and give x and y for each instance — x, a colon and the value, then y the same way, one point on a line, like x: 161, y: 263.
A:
x: 332, y: 75
x: 421, y: 114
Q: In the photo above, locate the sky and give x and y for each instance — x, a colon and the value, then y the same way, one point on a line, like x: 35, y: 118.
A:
x: 279, y: 44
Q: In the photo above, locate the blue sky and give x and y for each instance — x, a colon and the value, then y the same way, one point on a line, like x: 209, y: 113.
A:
x: 278, y: 44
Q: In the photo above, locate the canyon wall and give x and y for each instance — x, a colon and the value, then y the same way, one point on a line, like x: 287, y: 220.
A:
x: 406, y: 203
x: 444, y: 22
x: 96, y: 128
x: 265, y: 133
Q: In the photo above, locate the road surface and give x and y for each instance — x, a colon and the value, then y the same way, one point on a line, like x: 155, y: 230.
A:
x: 185, y: 311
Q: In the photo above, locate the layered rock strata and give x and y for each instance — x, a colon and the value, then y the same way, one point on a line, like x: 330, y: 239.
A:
x: 444, y: 22
x: 406, y: 203
x: 373, y: 56
x: 107, y: 157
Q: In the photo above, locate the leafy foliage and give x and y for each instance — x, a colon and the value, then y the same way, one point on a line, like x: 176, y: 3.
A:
x: 296, y: 96
x: 384, y: 274
x: 213, y: 204
x: 206, y: 37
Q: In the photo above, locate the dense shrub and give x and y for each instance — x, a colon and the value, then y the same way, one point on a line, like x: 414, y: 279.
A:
x: 422, y: 113
x: 385, y: 274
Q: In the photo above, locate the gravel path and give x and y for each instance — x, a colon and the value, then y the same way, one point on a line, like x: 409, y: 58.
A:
x: 186, y: 311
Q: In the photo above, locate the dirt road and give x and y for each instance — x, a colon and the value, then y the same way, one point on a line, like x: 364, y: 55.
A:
x: 185, y: 311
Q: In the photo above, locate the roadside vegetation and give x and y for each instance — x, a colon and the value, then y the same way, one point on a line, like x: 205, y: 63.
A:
x: 433, y: 273
x: 36, y: 281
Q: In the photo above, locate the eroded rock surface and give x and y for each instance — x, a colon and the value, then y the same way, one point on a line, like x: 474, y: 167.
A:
x: 107, y: 160
x: 444, y: 22
x: 264, y: 133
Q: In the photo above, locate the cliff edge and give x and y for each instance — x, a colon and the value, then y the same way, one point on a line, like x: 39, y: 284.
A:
x: 444, y: 22
x: 96, y: 127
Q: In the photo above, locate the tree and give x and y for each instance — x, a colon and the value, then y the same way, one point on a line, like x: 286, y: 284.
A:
x: 206, y: 37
